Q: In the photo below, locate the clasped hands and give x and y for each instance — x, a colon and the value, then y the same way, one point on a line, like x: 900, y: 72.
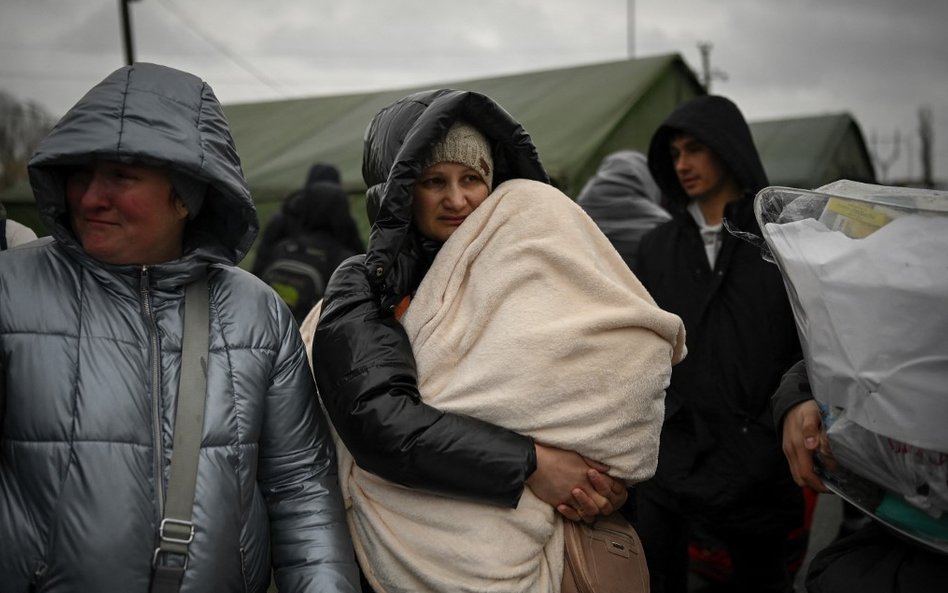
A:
x: 579, y: 488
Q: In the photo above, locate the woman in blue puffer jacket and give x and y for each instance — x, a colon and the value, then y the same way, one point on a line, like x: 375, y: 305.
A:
x: 142, y: 191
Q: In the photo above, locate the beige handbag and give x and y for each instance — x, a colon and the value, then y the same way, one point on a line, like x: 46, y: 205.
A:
x: 604, y: 557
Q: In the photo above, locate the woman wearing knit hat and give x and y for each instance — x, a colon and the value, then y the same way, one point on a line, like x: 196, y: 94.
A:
x: 455, y: 180
x: 454, y: 357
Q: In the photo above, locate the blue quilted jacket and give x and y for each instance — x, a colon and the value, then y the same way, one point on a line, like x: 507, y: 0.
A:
x: 90, y: 356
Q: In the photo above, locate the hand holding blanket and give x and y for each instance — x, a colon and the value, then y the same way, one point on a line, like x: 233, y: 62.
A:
x: 529, y: 319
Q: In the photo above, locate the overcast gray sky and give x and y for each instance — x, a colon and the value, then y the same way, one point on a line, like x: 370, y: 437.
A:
x: 880, y: 60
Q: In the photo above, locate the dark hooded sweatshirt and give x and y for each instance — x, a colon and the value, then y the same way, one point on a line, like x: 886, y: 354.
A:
x: 362, y: 357
x: 718, y: 442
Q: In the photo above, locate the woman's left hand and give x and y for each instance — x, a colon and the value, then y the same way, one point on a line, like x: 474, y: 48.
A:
x: 604, y: 496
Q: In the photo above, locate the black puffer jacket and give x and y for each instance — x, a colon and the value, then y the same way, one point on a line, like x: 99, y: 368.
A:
x: 718, y: 440
x: 362, y: 358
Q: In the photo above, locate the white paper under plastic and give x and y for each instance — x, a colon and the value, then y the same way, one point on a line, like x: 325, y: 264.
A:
x: 866, y: 269
x: 873, y: 316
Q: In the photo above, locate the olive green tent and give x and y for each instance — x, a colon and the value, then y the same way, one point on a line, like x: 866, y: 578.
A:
x: 808, y: 152
x: 575, y: 115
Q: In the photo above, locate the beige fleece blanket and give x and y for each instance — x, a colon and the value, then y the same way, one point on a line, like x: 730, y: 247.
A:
x: 528, y: 319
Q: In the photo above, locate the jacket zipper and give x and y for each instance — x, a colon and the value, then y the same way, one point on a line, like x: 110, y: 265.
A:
x: 39, y: 577
x: 155, y: 390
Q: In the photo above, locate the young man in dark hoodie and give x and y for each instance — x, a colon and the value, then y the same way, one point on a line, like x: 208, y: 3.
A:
x: 720, y: 462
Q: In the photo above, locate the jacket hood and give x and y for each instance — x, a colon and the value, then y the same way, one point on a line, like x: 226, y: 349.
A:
x: 161, y: 117
x: 622, y: 175
x: 623, y: 200
x: 398, y: 142
x: 322, y: 207
x: 717, y: 123
x: 323, y: 172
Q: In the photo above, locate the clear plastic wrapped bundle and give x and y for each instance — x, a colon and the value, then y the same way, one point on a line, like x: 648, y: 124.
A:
x: 866, y: 268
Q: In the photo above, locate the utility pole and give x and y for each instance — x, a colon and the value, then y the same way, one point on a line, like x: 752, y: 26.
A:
x: 926, y: 136
x: 127, y: 31
x: 707, y: 74
x: 630, y: 28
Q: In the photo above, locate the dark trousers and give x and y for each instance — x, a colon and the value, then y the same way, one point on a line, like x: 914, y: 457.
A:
x: 875, y: 560
x: 758, y: 550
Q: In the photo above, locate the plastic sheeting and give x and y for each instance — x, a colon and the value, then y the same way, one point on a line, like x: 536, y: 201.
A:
x: 870, y: 300
x: 866, y: 268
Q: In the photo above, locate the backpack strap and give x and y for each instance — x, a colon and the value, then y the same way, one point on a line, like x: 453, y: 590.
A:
x: 176, y: 531
x: 3, y: 234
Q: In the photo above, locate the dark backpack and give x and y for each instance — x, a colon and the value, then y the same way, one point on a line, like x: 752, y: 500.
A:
x: 298, y: 273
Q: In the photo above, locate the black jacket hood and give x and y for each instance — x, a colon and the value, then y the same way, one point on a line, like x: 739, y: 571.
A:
x: 322, y: 206
x: 397, y: 143
x: 717, y: 123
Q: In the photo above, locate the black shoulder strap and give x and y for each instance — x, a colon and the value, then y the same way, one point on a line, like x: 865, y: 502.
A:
x: 3, y: 234
x: 176, y: 531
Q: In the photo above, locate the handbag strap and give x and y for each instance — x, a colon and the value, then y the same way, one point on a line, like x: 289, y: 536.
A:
x: 176, y: 531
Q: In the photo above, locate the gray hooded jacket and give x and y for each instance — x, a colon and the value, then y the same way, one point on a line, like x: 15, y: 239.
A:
x: 89, y: 362
x: 623, y: 200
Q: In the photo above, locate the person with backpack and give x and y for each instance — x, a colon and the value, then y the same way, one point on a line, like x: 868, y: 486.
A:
x: 304, y: 243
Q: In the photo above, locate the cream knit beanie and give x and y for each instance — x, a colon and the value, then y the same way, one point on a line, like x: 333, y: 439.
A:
x: 464, y: 144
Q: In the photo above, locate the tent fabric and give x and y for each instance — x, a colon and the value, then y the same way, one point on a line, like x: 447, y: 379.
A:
x: 576, y: 116
x: 808, y: 152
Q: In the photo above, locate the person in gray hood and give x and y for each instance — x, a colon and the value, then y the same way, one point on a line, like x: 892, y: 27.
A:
x: 623, y: 200
x: 141, y: 187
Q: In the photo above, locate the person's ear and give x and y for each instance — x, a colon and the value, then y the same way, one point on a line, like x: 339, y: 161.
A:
x: 180, y: 208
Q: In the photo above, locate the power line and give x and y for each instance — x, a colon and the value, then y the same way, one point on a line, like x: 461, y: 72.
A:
x: 189, y: 24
